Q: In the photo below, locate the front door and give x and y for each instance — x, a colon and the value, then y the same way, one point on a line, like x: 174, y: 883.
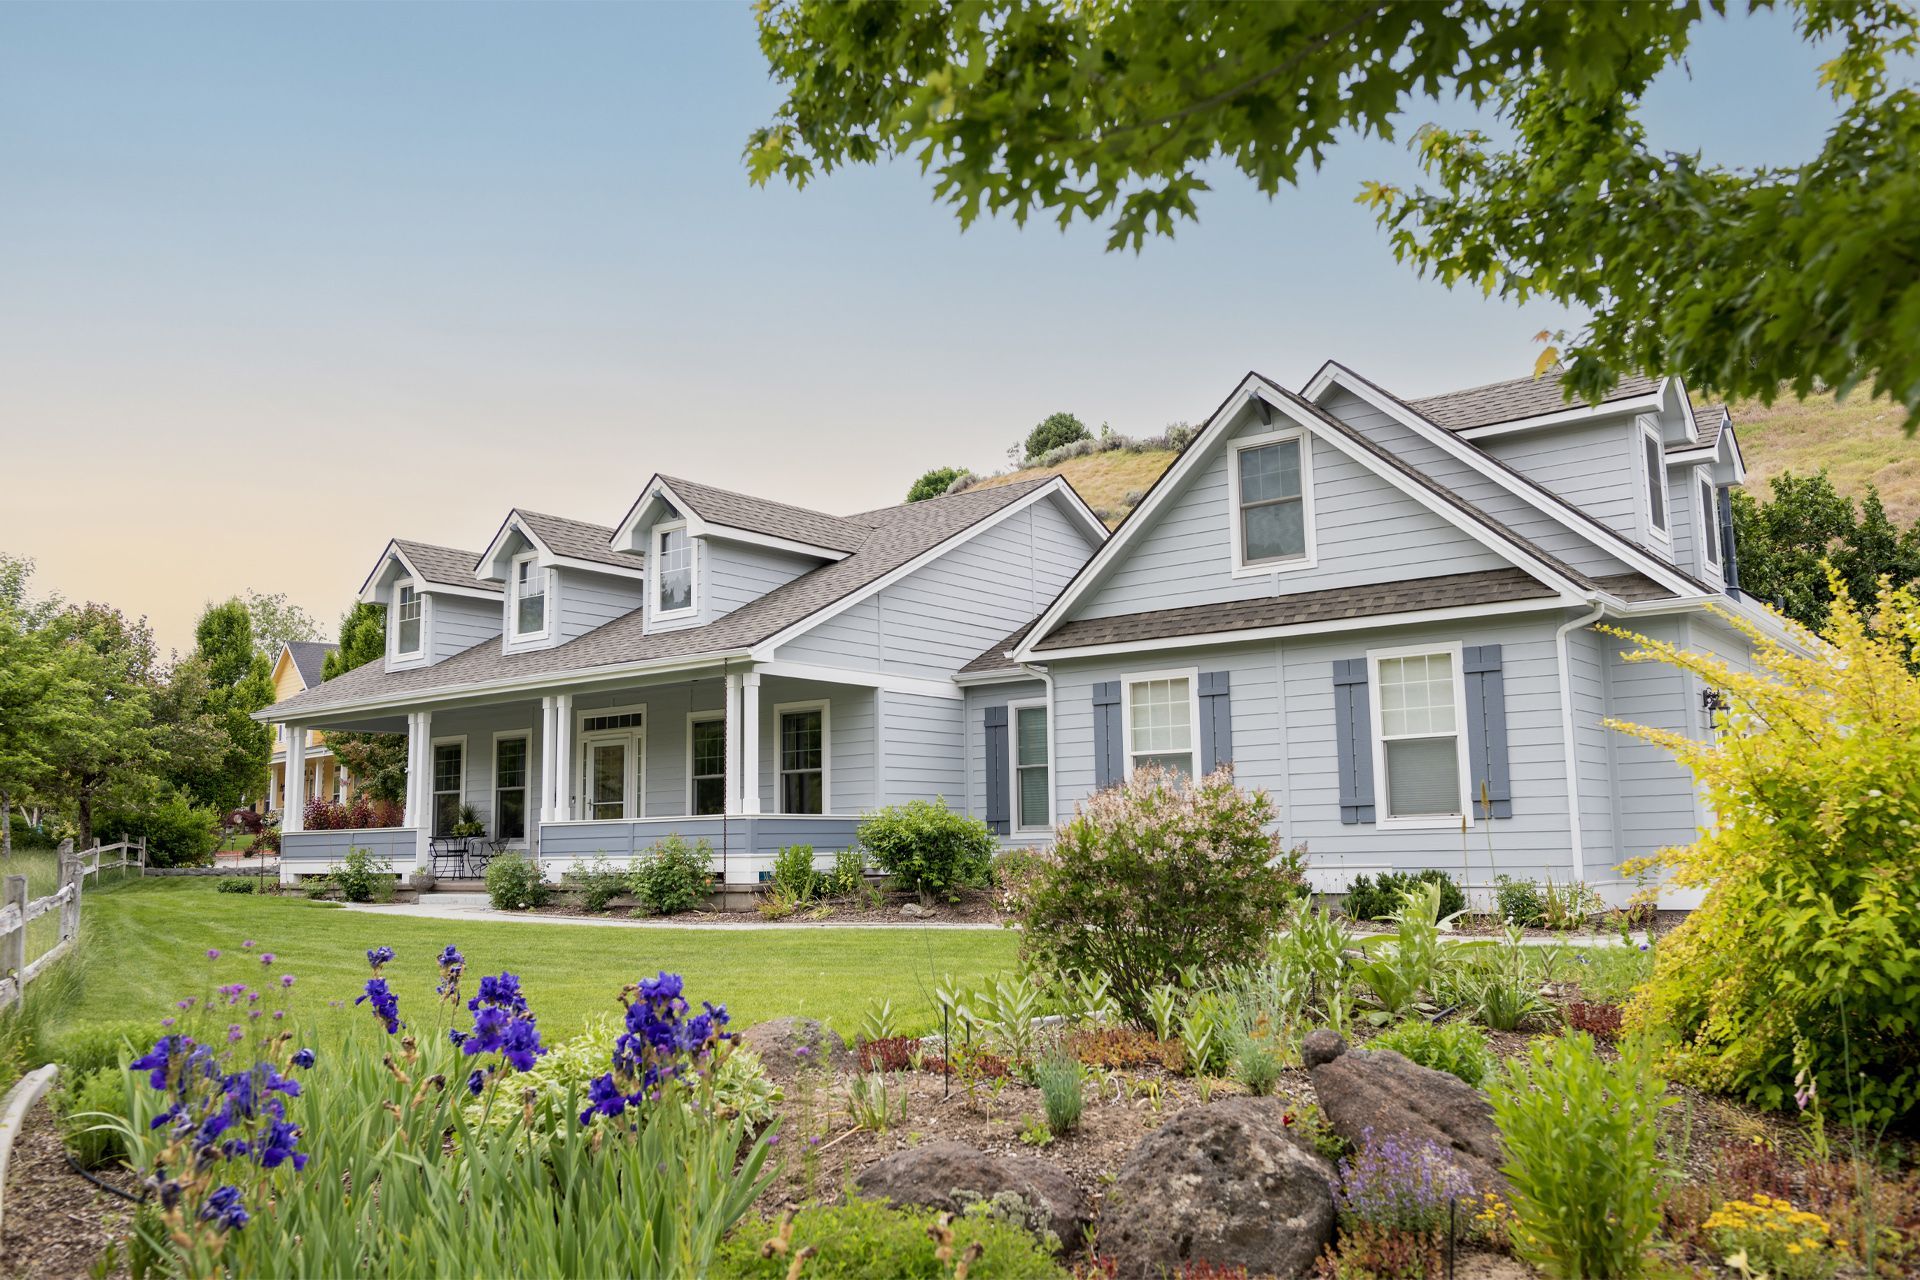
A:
x: 609, y: 777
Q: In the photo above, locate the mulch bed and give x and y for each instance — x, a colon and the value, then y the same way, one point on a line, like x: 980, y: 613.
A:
x: 976, y: 906
x: 57, y: 1224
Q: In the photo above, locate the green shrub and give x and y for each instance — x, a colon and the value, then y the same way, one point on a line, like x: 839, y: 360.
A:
x: 86, y: 1109
x: 928, y: 847
x: 1256, y: 1064
x: 1809, y: 933
x: 1056, y: 430
x: 866, y: 1240
x: 1369, y: 899
x: 87, y: 1049
x: 1582, y: 1139
x: 1062, y: 1091
x: 934, y: 483
x: 1156, y: 876
x: 599, y: 883
x: 1459, y: 1048
x: 358, y: 874
x: 1518, y: 900
x: 674, y: 876
x: 514, y: 883
x: 178, y: 834
x: 234, y: 884
x: 849, y: 874
x: 793, y: 873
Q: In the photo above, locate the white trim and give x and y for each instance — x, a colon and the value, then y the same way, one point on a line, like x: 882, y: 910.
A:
x: 1654, y: 400
x: 1014, y: 825
x: 657, y: 578
x: 527, y: 808
x: 1708, y: 527
x: 515, y: 636
x: 732, y: 533
x: 1192, y: 676
x: 597, y: 566
x: 825, y: 707
x: 1647, y: 432
x: 394, y: 652
x: 433, y: 793
x: 634, y: 804
x: 704, y: 717
x: 863, y: 679
x: 1382, y: 803
x: 1569, y: 738
x: 1236, y: 536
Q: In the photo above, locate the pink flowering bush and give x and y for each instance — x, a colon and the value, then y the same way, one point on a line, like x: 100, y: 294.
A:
x: 1156, y: 875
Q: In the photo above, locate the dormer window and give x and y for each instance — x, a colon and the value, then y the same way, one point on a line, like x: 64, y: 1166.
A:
x: 1271, y: 494
x: 529, y: 604
x: 1655, y: 455
x: 672, y: 570
x: 406, y: 621
x: 1709, y: 522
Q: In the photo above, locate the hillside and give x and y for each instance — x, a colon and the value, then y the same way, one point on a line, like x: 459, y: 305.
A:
x: 1859, y: 442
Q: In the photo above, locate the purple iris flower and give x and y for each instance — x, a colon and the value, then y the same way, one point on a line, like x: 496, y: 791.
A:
x: 386, y: 1005
x: 224, y: 1208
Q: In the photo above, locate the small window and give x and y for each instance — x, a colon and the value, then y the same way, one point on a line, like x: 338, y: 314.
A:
x: 707, y: 766
x: 406, y: 612
x: 1656, y: 480
x: 803, y: 760
x: 449, y: 784
x: 1271, y: 502
x: 510, y: 788
x: 1419, y: 726
x: 1030, y: 768
x: 1709, y: 522
x: 1160, y: 720
x: 672, y: 570
x: 529, y: 597
x: 339, y: 783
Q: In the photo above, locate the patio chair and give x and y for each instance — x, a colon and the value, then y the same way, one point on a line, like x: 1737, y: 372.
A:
x: 448, y: 855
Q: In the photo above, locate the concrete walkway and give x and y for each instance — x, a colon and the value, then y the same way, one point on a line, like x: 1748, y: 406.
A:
x: 473, y: 907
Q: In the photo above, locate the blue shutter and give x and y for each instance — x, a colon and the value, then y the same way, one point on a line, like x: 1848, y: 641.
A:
x: 1216, y: 721
x: 1353, y: 739
x: 1487, y: 732
x: 1106, y: 734
x: 999, y: 786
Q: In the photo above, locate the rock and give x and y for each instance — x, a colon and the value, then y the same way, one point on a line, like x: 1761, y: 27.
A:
x: 1321, y: 1047
x: 1225, y: 1184
x: 1378, y: 1089
x: 914, y: 911
x: 789, y: 1045
x: 951, y: 1175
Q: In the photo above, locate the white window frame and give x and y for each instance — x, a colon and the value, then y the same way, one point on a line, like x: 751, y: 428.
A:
x: 528, y: 813
x: 1649, y: 433
x: 433, y: 756
x: 1014, y: 766
x: 656, y: 580
x: 825, y: 708
x: 705, y: 717
x: 1707, y: 498
x: 635, y: 805
x: 1192, y: 676
x: 337, y: 793
x: 393, y: 631
x: 1237, y: 533
x: 513, y: 598
x: 1382, y: 803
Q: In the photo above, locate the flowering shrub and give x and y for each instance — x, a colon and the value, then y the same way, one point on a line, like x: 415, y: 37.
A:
x: 1810, y: 929
x: 674, y: 876
x: 928, y: 847
x: 1158, y: 875
x: 1785, y: 1242
x: 1401, y: 1185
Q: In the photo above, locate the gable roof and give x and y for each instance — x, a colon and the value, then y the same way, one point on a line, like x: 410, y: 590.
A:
x: 308, y: 656
x: 897, y: 537
x: 1517, y: 399
x: 442, y: 566
x: 771, y: 519
x: 577, y: 539
x: 998, y: 656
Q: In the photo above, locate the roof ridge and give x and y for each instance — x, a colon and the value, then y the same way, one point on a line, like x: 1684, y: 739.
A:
x: 1485, y: 386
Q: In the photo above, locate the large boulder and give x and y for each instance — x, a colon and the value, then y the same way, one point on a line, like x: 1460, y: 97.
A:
x: 951, y: 1176
x: 1378, y: 1090
x: 788, y: 1046
x: 1225, y: 1184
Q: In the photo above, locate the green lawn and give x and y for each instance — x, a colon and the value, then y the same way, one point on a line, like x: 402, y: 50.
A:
x: 146, y: 945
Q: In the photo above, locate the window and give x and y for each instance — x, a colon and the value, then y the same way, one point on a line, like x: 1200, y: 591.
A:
x: 1418, y: 738
x: 339, y: 783
x: 1033, y: 804
x: 1656, y: 460
x: 449, y: 783
x: 803, y: 758
x: 1160, y: 717
x: 529, y: 597
x: 1271, y: 503
x: 406, y: 620
x: 1709, y: 522
x: 706, y: 765
x: 510, y: 787
x: 672, y: 570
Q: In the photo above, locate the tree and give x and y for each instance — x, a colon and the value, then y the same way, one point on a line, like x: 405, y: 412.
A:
x: 1741, y: 280
x: 934, y: 483
x: 216, y: 751
x: 96, y: 721
x: 276, y: 623
x: 1786, y: 542
x: 1055, y: 431
x: 377, y: 761
x: 26, y: 676
x: 363, y: 639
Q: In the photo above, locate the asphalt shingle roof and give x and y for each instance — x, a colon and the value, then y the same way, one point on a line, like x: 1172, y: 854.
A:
x: 776, y: 519
x: 448, y: 566
x: 898, y: 535
x: 1515, y: 399
x: 308, y: 657
x: 996, y: 657
x: 578, y: 539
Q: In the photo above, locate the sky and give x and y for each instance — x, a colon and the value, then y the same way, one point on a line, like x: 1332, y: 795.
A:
x: 280, y: 282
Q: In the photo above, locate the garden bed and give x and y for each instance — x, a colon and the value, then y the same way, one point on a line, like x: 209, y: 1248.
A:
x: 58, y: 1224
x: 975, y: 906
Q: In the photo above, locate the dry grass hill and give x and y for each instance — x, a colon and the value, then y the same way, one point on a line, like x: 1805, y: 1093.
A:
x: 1859, y: 442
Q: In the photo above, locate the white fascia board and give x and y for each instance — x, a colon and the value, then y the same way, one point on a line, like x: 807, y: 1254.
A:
x: 483, y: 570
x: 864, y: 679
x: 764, y: 651
x: 1785, y: 634
x: 729, y: 533
x: 1545, y: 503
x: 623, y: 532
x: 369, y: 593
x: 1371, y: 622
x: 1654, y: 400
x: 594, y: 566
x: 1008, y: 675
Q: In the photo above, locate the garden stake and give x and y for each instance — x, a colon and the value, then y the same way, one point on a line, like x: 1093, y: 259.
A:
x: 946, y: 1053
x: 1453, y: 1204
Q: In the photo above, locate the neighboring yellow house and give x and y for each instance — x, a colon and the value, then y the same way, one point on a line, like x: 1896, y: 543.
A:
x: 296, y: 670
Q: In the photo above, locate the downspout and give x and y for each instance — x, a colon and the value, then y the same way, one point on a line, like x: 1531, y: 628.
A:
x: 1569, y: 744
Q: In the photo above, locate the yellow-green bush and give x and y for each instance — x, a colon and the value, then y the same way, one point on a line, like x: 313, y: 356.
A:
x: 1810, y: 930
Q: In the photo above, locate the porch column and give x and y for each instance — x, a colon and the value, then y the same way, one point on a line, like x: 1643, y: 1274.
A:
x: 562, y: 757
x: 294, y: 809
x: 420, y: 783
x: 546, y: 758
x: 732, y: 744
x: 750, y: 742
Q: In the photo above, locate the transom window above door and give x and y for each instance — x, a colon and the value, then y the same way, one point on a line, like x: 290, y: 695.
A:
x: 1160, y: 720
x: 1271, y: 500
x: 803, y: 759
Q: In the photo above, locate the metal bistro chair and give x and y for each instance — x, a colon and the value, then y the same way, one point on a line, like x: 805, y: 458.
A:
x: 448, y: 855
x: 481, y: 853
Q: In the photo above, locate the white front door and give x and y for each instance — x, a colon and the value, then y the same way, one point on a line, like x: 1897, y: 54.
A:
x: 608, y: 777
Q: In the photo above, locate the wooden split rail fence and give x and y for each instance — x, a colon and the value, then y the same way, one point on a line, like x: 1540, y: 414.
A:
x: 17, y: 910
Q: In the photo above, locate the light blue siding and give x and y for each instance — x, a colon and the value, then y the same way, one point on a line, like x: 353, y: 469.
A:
x: 851, y: 755
x: 458, y: 623
x: 737, y: 573
x: 587, y: 600
x: 1595, y: 465
x: 925, y: 748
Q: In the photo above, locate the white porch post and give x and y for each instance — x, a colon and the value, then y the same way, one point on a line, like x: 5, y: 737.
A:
x: 562, y: 757
x: 734, y: 802
x: 294, y: 808
x: 750, y: 742
x: 420, y: 783
x: 547, y: 765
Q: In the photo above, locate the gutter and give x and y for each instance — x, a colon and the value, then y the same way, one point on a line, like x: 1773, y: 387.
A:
x: 1576, y: 846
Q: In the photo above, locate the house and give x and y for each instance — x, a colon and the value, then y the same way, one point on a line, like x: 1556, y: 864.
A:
x: 295, y: 670
x: 713, y: 665
x: 1383, y: 611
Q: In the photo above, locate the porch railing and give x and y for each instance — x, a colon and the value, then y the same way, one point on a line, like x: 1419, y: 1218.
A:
x: 743, y: 845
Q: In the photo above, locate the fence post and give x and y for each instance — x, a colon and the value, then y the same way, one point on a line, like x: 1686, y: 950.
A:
x: 13, y: 946
x: 71, y: 876
x: 143, y: 855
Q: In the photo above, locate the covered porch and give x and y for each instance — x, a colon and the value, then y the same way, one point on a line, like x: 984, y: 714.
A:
x: 745, y: 759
